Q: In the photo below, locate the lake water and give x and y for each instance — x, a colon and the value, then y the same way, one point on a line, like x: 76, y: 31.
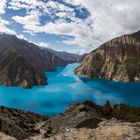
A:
x: 65, y: 88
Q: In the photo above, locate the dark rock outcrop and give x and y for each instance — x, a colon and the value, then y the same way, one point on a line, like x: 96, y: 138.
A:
x: 89, y: 115
x: 23, y: 63
x: 19, y: 124
x: 118, y: 60
x: 22, y: 125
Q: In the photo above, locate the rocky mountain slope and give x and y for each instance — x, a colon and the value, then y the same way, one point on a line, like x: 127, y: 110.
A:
x: 71, y: 57
x: 80, y: 121
x: 16, y: 70
x: 107, y: 130
x: 19, y: 124
x: 23, y: 63
x: 118, y: 60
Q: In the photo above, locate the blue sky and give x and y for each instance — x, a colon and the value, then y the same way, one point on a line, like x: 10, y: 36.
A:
x: 77, y: 26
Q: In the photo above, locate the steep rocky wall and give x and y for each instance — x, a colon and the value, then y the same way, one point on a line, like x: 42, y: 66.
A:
x: 118, y: 60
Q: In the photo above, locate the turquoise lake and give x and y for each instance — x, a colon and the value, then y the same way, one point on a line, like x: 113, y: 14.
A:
x: 65, y: 88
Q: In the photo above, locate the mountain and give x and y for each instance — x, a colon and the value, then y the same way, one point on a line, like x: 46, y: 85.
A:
x: 16, y: 70
x: 23, y: 63
x: 80, y: 121
x: 118, y: 60
x: 70, y: 57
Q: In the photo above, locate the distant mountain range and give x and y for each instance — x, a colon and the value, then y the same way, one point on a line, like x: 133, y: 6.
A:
x: 71, y: 57
x: 118, y: 60
x: 23, y: 63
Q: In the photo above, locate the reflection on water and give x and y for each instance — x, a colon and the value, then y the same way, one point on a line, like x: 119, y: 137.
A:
x: 65, y: 88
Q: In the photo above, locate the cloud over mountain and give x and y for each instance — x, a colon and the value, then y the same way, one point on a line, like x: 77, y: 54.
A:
x: 84, y: 24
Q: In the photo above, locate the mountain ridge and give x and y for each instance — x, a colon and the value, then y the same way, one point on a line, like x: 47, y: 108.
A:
x: 117, y: 59
x: 31, y: 59
x: 71, y: 57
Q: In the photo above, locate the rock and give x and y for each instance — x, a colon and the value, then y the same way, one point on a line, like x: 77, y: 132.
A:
x: 48, y: 132
x: 108, y: 130
x: 89, y: 123
x: 116, y: 60
x: 108, y: 110
x: 79, y: 120
x: 17, y: 71
x: 23, y: 63
x: 19, y: 124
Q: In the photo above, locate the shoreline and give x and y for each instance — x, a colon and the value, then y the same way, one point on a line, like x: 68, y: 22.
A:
x: 78, y: 116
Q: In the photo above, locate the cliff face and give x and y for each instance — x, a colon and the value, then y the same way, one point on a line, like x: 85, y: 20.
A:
x: 23, y: 63
x: 118, y: 60
x: 17, y: 71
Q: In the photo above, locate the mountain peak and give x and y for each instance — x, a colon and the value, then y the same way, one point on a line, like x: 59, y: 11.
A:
x: 117, y: 59
x: 23, y: 63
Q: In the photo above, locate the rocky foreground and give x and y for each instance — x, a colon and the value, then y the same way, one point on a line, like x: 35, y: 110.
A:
x: 107, y: 130
x: 80, y: 122
x: 118, y: 60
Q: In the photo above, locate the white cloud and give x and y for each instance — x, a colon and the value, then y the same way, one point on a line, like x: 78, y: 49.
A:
x: 43, y: 44
x: 111, y: 18
x: 4, y: 28
x: 108, y: 19
x: 2, y: 6
x: 30, y: 20
x: 24, y: 4
x: 77, y: 28
x: 44, y: 7
x: 21, y: 36
x: 4, y: 23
